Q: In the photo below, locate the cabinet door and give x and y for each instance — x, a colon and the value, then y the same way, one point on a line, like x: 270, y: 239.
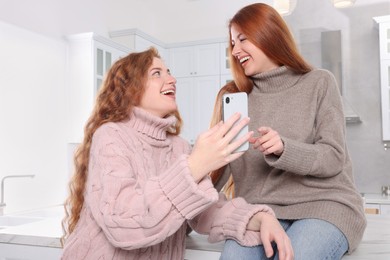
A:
x: 385, y: 99
x: 384, y: 36
x: 105, y: 56
x: 198, y: 60
x: 195, y: 98
x: 385, y: 209
x: 226, y: 78
x: 206, y: 60
x: 185, y: 101
x: 204, y: 92
x: 27, y: 252
x: 181, y: 62
x: 224, y: 56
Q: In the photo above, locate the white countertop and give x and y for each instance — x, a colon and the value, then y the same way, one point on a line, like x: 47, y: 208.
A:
x: 47, y: 232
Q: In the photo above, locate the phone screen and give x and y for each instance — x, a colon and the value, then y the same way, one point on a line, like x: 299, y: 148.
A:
x: 232, y: 103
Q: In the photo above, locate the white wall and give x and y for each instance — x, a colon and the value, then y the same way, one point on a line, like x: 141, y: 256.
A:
x: 33, y: 118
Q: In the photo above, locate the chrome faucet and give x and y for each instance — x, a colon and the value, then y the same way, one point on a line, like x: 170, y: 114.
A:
x: 2, y: 203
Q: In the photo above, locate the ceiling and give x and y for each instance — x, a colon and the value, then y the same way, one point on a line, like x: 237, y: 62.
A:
x: 169, y: 21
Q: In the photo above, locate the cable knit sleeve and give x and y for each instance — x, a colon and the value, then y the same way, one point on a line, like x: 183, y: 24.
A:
x: 228, y: 219
x: 136, y: 212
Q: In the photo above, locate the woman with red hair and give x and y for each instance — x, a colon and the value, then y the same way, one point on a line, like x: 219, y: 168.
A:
x: 299, y: 164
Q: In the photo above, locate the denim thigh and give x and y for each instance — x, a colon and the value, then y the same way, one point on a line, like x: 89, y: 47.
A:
x: 316, y: 239
x: 311, y: 239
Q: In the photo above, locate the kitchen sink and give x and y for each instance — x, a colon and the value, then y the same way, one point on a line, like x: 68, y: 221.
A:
x: 10, y: 221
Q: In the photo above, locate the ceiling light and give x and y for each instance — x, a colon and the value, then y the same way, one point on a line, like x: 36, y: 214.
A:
x: 285, y: 7
x: 342, y: 3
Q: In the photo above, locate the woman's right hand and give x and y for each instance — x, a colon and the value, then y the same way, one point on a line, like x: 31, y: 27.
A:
x: 213, y: 148
x: 271, y: 231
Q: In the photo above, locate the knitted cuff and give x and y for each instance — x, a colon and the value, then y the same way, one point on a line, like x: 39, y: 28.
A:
x: 185, y: 194
x: 235, y: 225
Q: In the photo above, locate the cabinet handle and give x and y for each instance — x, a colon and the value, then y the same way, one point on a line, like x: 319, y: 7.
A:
x: 371, y: 211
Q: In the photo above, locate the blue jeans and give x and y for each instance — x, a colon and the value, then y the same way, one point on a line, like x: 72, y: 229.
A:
x: 311, y: 239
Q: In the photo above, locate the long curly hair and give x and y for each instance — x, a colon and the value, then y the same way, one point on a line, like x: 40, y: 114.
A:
x: 122, y: 89
x: 265, y: 28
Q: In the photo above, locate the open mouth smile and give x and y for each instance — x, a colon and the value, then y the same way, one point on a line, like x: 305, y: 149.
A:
x: 244, y: 59
x: 168, y: 92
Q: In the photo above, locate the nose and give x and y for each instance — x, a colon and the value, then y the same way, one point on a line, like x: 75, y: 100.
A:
x: 236, y: 50
x: 171, y: 79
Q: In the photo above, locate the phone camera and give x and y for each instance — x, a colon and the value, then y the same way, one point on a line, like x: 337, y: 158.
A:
x: 227, y: 100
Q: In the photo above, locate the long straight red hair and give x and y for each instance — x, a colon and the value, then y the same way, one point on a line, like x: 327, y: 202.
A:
x: 265, y: 28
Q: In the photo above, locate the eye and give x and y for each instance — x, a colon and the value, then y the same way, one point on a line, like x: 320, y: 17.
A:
x: 242, y: 39
x: 156, y: 73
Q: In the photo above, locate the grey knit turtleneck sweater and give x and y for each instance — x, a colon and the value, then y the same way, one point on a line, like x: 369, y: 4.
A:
x: 313, y: 177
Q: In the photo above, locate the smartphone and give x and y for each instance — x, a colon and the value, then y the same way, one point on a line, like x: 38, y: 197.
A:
x: 232, y: 103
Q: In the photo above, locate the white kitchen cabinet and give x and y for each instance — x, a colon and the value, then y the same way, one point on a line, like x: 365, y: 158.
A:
x: 197, y: 70
x: 377, y: 208
x: 201, y: 255
x: 224, y: 56
x: 376, y: 204
x: 89, y: 58
x: 225, y: 78
x: 196, y: 60
x: 385, y: 209
x: 28, y: 252
x: 384, y: 52
x: 226, y: 74
x: 195, y: 97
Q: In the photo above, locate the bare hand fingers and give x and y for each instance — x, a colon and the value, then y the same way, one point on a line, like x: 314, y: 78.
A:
x: 238, y: 142
x: 269, y: 251
x: 270, y: 141
x: 228, y: 124
x: 285, y: 249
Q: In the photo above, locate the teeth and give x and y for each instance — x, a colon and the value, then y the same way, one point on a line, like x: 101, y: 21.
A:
x: 244, y: 59
x: 166, y: 92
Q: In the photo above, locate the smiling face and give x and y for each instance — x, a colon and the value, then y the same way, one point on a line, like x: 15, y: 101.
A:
x: 252, y: 59
x: 159, y: 96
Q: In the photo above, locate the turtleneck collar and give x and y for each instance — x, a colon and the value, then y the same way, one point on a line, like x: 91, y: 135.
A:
x: 275, y: 80
x: 149, y: 125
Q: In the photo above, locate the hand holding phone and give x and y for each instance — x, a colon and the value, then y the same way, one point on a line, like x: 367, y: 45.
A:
x: 232, y: 103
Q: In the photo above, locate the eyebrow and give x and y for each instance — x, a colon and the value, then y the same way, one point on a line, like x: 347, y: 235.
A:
x: 159, y: 69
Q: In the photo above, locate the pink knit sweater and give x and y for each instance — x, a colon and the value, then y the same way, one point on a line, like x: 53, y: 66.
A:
x: 140, y: 194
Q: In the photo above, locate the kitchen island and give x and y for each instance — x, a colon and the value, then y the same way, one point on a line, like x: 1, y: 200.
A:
x: 39, y: 239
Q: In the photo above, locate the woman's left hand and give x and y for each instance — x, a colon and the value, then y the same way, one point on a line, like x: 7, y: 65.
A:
x: 271, y: 231
x: 268, y: 142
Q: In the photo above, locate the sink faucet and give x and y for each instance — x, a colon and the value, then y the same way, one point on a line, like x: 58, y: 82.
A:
x: 2, y: 203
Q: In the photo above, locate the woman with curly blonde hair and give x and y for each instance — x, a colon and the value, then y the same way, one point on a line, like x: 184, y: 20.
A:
x: 137, y: 183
